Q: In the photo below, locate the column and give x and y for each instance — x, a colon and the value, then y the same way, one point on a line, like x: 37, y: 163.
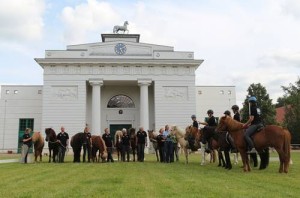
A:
x: 144, y: 105
x: 96, y: 105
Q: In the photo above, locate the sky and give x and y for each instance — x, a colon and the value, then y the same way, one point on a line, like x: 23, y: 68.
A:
x: 241, y: 42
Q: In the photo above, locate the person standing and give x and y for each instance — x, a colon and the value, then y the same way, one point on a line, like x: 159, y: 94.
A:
x: 125, y: 145
x: 27, y: 143
x: 160, y: 144
x: 63, y: 138
x: 87, y: 144
x: 109, y: 144
x: 254, y: 122
x: 141, y: 143
x: 168, y: 145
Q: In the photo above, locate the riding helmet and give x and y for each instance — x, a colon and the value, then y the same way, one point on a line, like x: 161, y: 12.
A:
x: 193, y: 116
x: 227, y: 113
x: 235, y: 107
x: 252, y: 99
x: 210, y: 111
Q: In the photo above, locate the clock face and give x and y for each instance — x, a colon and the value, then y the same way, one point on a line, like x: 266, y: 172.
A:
x: 120, y: 49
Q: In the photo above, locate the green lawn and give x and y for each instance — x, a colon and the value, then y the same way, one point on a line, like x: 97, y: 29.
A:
x: 148, y: 179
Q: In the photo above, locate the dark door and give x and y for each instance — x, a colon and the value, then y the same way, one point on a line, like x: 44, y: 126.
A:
x: 23, y: 124
x: 114, y: 127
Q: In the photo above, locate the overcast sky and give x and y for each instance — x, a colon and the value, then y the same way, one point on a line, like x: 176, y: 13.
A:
x: 241, y: 42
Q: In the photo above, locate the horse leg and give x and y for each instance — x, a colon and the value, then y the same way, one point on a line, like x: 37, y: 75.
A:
x: 186, y: 155
x: 157, y: 158
x: 50, y: 155
x: 227, y: 160
x: 235, y: 158
x: 202, y: 154
x: 245, y: 160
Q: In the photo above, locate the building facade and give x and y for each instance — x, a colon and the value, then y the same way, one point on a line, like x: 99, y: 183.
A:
x: 117, y: 83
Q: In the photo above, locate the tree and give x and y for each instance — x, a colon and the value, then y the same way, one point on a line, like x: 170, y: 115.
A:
x: 292, y: 110
x: 264, y: 103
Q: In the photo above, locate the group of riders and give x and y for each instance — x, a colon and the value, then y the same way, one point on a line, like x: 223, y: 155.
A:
x: 252, y: 125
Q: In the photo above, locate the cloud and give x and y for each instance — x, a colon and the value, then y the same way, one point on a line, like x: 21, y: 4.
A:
x: 92, y: 16
x: 21, y: 21
x: 291, y: 7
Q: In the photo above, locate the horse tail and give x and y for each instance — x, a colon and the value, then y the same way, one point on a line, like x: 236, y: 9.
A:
x: 287, y: 145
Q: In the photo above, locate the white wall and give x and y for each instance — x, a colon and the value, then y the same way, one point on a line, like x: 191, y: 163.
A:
x: 21, y: 102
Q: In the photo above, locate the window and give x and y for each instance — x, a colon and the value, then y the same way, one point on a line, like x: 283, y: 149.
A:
x: 39, y: 91
x: 221, y: 92
x: 16, y: 91
x: 199, y: 92
x: 7, y: 91
x: 120, y: 101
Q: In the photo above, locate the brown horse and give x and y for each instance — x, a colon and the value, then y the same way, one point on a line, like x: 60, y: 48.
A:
x: 51, y: 138
x: 133, y: 142
x: 118, y: 143
x: 98, y: 144
x: 193, y: 136
x: 270, y: 136
x: 152, y: 137
x: 38, y: 144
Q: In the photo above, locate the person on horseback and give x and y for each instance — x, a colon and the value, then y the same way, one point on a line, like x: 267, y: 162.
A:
x: 236, y: 113
x: 210, y: 123
x: 227, y: 113
x: 195, y: 122
x: 254, y: 122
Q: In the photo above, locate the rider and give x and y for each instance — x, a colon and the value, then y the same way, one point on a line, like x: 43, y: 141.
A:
x: 227, y: 113
x: 254, y: 122
x: 209, y: 125
x: 195, y: 122
x: 231, y: 141
x: 237, y: 115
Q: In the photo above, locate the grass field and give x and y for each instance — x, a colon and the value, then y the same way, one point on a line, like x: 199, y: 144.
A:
x: 148, y: 179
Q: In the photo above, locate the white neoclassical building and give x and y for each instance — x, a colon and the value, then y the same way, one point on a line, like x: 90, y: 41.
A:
x: 117, y: 83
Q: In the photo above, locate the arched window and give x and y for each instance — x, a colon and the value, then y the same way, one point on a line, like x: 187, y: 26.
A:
x: 120, y: 101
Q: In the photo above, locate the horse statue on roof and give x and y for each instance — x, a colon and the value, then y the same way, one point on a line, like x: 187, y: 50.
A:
x: 123, y: 28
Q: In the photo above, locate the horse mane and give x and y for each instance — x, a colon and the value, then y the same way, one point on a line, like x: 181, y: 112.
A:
x: 118, y: 133
x: 231, y: 123
x: 178, y: 132
x: 131, y: 131
x: 37, y: 136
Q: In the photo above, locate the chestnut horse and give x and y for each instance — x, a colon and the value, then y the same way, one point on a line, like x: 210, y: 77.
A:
x: 269, y: 136
x: 38, y: 144
x: 98, y: 144
x: 193, y: 136
x: 52, y: 144
x: 152, y: 137
x: 118, y: 143
x: 133, y: 142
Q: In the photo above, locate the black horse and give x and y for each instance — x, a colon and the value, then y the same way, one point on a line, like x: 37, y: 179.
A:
x: 76, y: 143
x: 133, y: 142
x: 52, y: 144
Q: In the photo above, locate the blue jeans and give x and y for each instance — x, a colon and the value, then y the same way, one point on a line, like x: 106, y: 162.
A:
x: 249, y: 132
x: 169, y: 151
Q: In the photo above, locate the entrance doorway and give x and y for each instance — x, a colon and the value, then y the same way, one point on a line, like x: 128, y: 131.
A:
x: 114, y: 127
x: 23, y: 124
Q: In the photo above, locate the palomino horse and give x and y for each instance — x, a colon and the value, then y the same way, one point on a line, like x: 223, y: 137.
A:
x: 38, y: 144
x: 98, y: 144
x: 133, y: 142
x: 179, y: 134
x: 52, y: 144
x: 269, y: 136
x: 152, y: 137
x: 123, y: 28
x: 118, y: 143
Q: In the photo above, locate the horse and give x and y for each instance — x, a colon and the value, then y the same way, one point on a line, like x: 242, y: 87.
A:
x: 76, y: 143
x: 152, y: 137
x: 193, y: 136
x: 38, y: 144
x: 133, y: 142
x: 269, y: 136
x: 118, y: 143
x: 123, y: 28
x: 52, y: 144
x: 98, y: 144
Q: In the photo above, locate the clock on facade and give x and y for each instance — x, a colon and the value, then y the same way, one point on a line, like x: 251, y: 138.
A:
x: 120, y: 49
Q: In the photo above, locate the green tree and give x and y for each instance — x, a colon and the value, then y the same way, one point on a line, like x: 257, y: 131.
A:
x: 292, y: 110
x: 264, y: 103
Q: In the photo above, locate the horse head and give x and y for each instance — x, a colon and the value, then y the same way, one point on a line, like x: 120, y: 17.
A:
x: 50, y: 135
x: 132, y: 132
x: 126, y: 23
x: 227, y: 123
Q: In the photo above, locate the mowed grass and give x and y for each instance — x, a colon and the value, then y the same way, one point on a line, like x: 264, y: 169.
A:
x: 147, y: 179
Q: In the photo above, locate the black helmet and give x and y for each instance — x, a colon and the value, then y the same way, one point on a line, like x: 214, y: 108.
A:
x: 235, y: 107
x: 210, y: 111
x: 227, y: 113
x: 193, y: 116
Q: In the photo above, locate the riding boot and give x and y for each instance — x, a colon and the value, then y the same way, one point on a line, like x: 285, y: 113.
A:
x: 203, y: 146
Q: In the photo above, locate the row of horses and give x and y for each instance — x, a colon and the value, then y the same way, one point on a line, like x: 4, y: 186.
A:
x: 270, y: 136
